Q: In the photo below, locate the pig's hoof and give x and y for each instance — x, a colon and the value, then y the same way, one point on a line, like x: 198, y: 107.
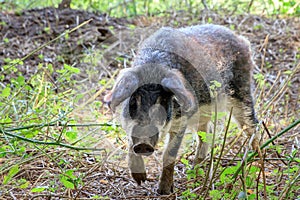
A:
x: 139, y: 177
x: 164, y: 190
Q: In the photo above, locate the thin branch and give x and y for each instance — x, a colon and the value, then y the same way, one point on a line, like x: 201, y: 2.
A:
x: 267, y: 143
x: 56, y: 123
x: 51, y: 41
x: 268, y: 132
x: 6, y: 167
x: 281, y: 91
x: 287, y: 188
x: 222, y: 149
x: 204, y: 4
x: 48, y: 143
x: 58, y: 37
x: 249, y: 6
x: 210, y: 173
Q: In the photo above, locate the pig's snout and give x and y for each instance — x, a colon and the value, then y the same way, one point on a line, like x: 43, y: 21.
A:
x: 143, y: 149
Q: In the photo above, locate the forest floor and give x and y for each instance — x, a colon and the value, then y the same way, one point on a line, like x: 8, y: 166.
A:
x: 105, y: 45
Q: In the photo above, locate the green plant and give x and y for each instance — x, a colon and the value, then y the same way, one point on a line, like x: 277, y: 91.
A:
x: 119, y: 8
x: 36, y: 118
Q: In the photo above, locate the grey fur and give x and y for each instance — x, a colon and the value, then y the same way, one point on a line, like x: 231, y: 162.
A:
x: 169, y: 85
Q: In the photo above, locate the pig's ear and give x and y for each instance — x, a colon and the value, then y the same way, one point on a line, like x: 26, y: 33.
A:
x: 176, y: 84
x: 124, y: 87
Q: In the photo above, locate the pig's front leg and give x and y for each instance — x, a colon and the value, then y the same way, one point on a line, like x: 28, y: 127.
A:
x: 169, y: 157
x: 137, y: 168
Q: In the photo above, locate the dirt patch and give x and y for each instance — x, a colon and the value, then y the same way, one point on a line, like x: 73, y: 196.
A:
x: 24, y: 32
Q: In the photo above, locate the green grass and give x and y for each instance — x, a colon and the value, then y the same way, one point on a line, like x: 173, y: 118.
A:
x: 118, y: 8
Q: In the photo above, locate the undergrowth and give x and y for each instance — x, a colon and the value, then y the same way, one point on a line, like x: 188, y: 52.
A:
x: 52, y: 122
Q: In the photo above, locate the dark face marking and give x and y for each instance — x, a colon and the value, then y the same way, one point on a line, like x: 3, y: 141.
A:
x: 149, y: 107
x: 150, y: 103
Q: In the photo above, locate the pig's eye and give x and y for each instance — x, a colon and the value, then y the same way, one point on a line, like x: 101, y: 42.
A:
x: 134, y: 105
x: 157, y: 113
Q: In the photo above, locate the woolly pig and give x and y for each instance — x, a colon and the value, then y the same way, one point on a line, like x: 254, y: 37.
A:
x: 170, y: 83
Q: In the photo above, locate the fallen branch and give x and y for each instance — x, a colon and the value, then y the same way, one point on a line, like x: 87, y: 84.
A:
x: 267, y: 143
x: 58, y: 124
x: 48, y: 143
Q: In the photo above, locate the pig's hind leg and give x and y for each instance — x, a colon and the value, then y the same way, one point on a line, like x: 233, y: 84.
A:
x: 244, y: 114
x: 202, y: 117
x: 202, y: 145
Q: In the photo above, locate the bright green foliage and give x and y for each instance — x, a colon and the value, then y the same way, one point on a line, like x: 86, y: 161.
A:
x: 26, y: 102
x: 226, y: 175
x: 184, y: 161
x: 260, y: 79
x: 13, y: 171
x: 69, y: 180
x: 215, y: 194
x: 67, y: 183
x: 38, y: 189
x: 5, y: 40
x: 71, y: 135
x: 23, y: 183
x: 203, y: 135
x: 119, y: 8
x: 6, y: 92
x: 214, y: 86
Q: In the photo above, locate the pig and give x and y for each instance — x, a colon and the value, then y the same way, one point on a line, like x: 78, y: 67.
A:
x: 170, y: 83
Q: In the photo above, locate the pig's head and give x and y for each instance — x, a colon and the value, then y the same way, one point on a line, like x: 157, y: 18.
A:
x: 147, y: 93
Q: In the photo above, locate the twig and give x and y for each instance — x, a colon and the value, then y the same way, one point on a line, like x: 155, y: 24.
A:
x: 273, y: 85
x: 282, y: 89
x: 97, y: 93
x: 61, y: 132
x: 49, y: 143
x: 51, y: 41
x: 50, y: 195
x: 222, y: 150
x: 4, y: 169
x: 263, y: 47
x: 54, y: 123
x: 88, y: 178
x: 254, y: 159
x: 267, y: 143
x: 257, y: 184
x: 231, y: 160
x: 204, y: 4
x: 249, y: 6
x: 285, y: 192
x: 262, y: 169
x: 210, y: 168
x: 267, y: 130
